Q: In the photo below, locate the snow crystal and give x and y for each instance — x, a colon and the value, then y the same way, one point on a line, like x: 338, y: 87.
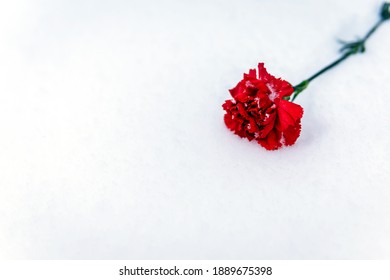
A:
x: 249, y: 84
x: 282, y: 140
x: 273, y: 93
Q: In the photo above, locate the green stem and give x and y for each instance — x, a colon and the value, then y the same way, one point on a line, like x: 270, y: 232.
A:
x: 348, y: 49
x: 330, y: 66
x: 372, y: 30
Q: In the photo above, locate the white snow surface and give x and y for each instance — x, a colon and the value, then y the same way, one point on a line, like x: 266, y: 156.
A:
x: 113, y: 144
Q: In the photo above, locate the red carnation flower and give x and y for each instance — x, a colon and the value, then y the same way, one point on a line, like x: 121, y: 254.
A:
x: 261, y: 109
x: 259, y: 112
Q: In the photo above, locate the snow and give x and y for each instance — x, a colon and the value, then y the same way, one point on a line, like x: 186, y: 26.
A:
x: 273, y: 93
x: 113, y: 144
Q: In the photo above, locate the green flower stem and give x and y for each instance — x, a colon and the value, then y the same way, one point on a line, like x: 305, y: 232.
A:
x: 348, y: 49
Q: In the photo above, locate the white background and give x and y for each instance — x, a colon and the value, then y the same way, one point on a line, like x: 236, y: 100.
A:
x: 113, y: 146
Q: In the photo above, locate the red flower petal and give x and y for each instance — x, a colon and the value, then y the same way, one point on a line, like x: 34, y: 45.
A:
x: 288, y: 114
x: 269, y: 125
x: 291, y: 134
x: 263, y: 74
x: 271, y: 142
x: 277, y: 88
x: 251, y: 75
x: 238, y: 89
